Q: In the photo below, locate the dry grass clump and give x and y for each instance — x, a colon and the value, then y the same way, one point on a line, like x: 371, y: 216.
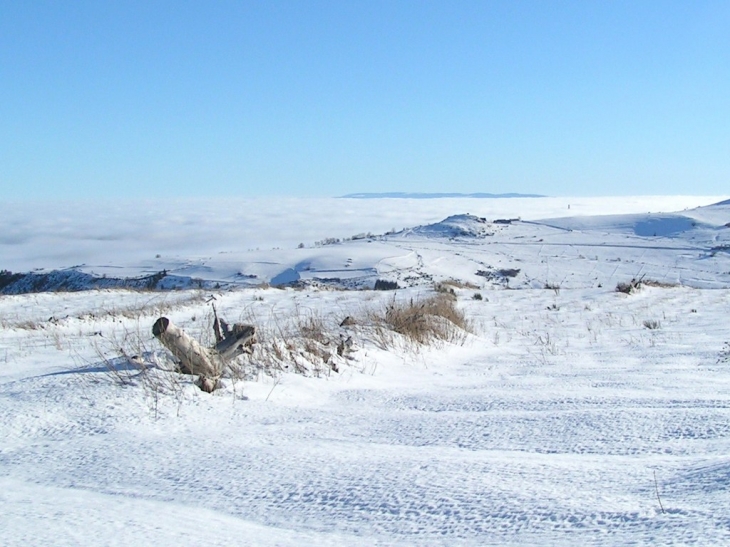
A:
x: 423, y: 321
x: 448, y: 285
x: 652, y: 324
x: 28, y: 325
x: 305, y: 342
x: 127, y: 360
x: 636, y: 284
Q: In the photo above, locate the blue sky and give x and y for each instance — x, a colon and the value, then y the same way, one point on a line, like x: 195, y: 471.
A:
x: 181, y: 98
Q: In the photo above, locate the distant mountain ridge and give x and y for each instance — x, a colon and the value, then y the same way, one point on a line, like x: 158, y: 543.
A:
x: 419, y: 195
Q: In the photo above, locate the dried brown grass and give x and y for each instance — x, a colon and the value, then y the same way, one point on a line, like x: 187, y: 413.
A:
x: 426, y: 320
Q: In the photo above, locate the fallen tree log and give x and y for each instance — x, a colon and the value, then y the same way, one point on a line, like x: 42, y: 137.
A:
x: 207, y: 364
x: 194, y: 358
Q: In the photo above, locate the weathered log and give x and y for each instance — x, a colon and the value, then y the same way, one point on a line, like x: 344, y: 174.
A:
x: 194, y: 358
x: 235, y: 341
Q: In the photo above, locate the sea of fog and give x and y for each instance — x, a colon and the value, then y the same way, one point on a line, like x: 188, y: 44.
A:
x: 63, y: 234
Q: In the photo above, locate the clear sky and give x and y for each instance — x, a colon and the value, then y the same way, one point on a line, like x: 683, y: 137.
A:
x: 313, y: 98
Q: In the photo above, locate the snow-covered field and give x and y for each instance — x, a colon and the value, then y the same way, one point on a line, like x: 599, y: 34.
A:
x: 571, y: 415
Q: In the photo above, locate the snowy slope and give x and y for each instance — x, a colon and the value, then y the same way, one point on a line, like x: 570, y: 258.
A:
x: 545, y: 428
x: 572, y: 415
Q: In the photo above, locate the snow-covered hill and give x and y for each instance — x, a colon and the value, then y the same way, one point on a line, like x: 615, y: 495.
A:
x: 572, y: 414
x: 688, y: 248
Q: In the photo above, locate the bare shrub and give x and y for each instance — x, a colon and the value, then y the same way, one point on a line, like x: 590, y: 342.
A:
x: 125, y: 354
x: 385, y: 285
x: 652, y: 324
x: 555, y: 287
x: 128, y: 360
x: 636, y: 284
x: 630, y: 287
x: 502, y: 275
x: 509, y: 272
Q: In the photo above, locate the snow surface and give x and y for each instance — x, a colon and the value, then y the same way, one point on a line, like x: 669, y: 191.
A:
x: 562, y: 420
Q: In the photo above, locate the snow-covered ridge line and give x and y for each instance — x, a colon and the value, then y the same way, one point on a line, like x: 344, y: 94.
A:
x: 690, y: 248
x: 73, y: 280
